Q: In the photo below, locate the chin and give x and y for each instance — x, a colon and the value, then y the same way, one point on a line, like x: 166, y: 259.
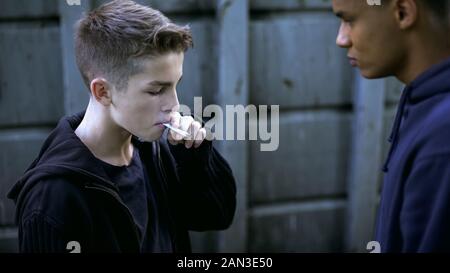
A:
x: 372, y: 75
x: 150, y: 138
x: 372, y: 72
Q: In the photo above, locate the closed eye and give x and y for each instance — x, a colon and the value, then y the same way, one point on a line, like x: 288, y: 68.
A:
x: 155, y: 92
x: 347, y: 20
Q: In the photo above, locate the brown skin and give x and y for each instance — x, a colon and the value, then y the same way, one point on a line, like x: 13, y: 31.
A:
x: 399, y: 39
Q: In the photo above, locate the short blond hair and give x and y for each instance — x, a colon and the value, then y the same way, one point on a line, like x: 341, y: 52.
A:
x: 110, y: 39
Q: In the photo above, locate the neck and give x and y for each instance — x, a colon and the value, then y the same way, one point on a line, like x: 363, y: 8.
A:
x: 107, y: 141
x: 425, y: 52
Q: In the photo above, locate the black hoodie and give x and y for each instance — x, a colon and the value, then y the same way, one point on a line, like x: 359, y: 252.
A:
x: 65, y: 195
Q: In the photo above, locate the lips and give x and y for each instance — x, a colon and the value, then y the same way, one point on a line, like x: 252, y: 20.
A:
x: 353, y: 61
x: 162, y: 122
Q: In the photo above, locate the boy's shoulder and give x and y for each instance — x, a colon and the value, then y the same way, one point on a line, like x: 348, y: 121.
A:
x: 434, y: 133
x: 55, y: 197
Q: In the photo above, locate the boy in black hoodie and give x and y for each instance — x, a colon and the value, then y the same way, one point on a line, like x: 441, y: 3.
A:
x: 106, y: 180
x: 408, y: 39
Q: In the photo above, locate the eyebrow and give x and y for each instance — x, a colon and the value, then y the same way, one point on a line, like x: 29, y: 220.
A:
x: 164, y: 84
x: 159, y: 83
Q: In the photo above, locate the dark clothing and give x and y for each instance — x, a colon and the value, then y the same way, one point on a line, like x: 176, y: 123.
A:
x: 68, y: 195
x: 414, y: 214
x: 134, y: 189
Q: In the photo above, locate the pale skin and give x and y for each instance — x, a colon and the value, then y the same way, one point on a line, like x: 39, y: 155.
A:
x: 150, y: 99
x: 399, y: 39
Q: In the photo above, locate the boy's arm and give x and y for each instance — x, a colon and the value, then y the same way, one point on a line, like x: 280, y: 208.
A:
x: 205, y: 191
x: 424, y: 216
x: 51, y: 215
x: 38, y: 234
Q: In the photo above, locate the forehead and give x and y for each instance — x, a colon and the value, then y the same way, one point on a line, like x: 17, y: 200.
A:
x: 167, y: 61
x: 349, y: 6
x: 165, y: 67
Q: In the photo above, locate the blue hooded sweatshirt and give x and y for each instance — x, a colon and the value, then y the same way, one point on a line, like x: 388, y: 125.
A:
x: 414, y: 214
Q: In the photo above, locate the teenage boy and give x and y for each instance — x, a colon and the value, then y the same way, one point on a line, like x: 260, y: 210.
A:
x: 107, y: 180
x: 408, y: 39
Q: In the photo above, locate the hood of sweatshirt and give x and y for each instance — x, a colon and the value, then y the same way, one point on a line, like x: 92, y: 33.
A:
x: 63, y: 154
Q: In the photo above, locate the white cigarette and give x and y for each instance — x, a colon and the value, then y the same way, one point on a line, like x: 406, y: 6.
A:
x: 176, y: 130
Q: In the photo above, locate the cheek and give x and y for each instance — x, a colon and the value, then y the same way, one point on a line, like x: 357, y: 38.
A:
x: 147, y: 108
x: 360, y: 39
x: 129, y: 108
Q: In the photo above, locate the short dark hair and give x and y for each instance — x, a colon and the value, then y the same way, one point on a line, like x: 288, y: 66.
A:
x: 440, y: 8
x: 109, y: 40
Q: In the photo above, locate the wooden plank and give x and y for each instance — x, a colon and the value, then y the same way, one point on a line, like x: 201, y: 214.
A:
x: 200, y: 70
x: 8, y: 240
x: 25, y: 9
x: 76, y: 94
x: 394, y: 90
x: 19, y: 148
x: 298, y: 227
x: 199, y: 79
x: 288, y: 58
x: 289, y: 5
x: 310, y: 162
x: 232, y: 16
x: 30, y: 73
x: 366, y: 163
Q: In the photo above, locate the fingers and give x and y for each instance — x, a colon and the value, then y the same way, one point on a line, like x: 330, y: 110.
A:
x: 175, y: 120
x: 171, y: 140
x: 201, y: 135
x: 189, y: 125
x: 193, y: 129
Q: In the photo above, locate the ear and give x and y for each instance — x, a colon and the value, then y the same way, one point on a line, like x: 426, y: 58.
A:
x: 101, y: 91
x: 406, y: 13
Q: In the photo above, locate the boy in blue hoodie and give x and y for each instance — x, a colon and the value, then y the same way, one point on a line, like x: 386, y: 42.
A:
x: 408, y: 39
x: 107, y: 180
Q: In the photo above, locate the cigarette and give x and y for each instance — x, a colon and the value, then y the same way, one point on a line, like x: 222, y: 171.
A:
x: 176, y: 130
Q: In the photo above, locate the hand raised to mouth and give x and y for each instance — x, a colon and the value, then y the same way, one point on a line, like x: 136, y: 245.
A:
x: 185, y: 130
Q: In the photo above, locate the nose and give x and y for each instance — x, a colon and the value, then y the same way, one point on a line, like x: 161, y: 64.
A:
x: 343, y: 38
x: 171, y: 102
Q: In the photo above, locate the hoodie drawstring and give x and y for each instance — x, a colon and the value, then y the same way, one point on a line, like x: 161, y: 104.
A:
x: 393, y: 138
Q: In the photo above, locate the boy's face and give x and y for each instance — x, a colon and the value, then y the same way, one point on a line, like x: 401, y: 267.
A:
x: 371, y: 36
x: 150, y: 97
